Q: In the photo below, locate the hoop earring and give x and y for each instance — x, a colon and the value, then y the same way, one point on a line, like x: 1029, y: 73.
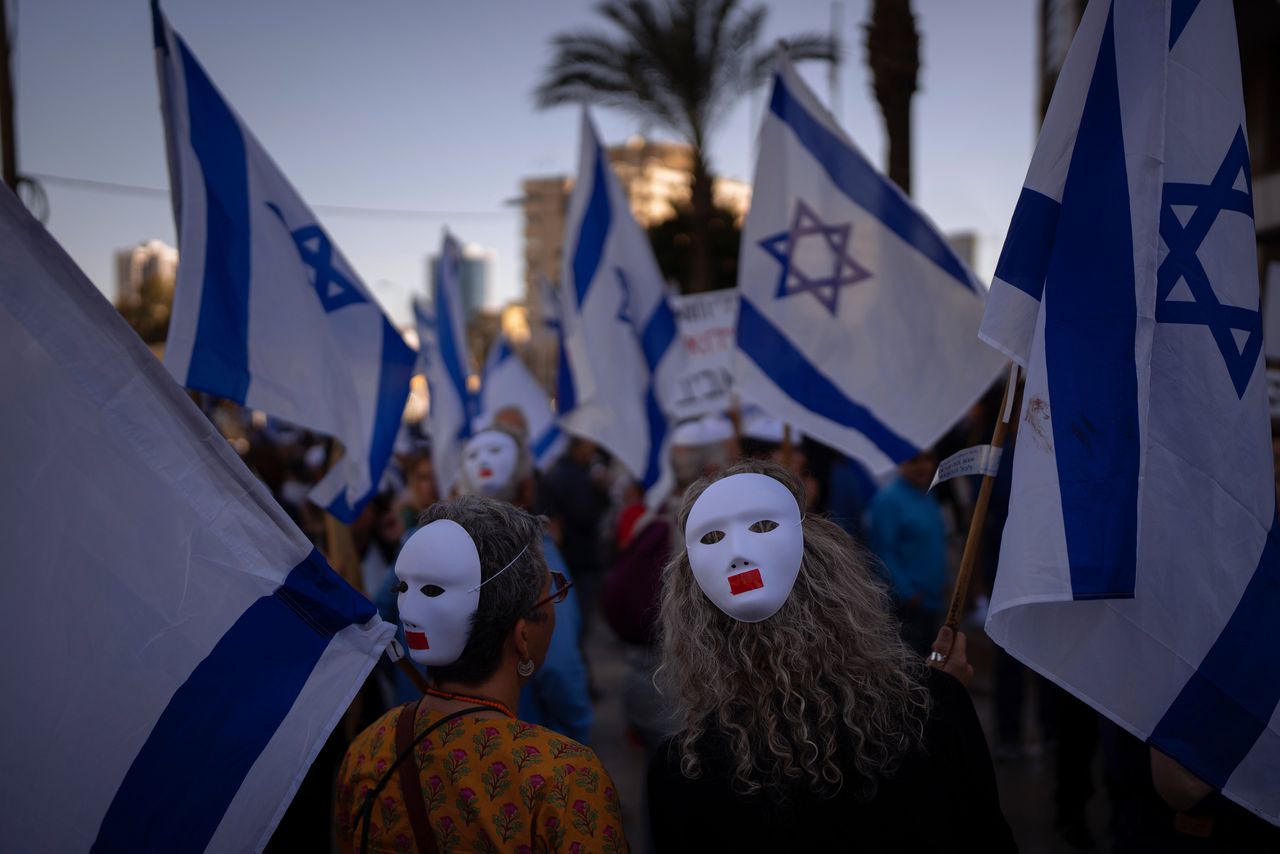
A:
x: 525, y: 668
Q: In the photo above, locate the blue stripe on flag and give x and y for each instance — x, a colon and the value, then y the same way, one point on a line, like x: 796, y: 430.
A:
x: 158, y: 29
x: 449, y: 350
x: 1179, y: 14
x: 394, y: 376
x: 220, y: 720
x: 1090, y: 323
x: 503, y: 351
x: 658, y: 336
x: 566, y: 393
x: 657, y: 420
x: 544, y: 443
x: 858, y: 180
x: 1024, y: 261
x: 592, y: 232
x: 395, y: 372
x: 220, y: 354
x: 1230, y: 699
x: 796, y: 377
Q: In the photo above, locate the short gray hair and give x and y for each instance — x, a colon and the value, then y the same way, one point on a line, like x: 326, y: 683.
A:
x: 501, y: 531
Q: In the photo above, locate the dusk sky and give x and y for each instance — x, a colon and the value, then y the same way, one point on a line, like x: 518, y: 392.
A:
x: 426, y: 106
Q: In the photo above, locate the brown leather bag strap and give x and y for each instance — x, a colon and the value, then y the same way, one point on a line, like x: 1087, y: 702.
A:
x: 406, y: 741
x: 411, y: 783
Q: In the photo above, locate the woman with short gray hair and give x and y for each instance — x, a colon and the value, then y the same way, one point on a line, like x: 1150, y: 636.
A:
x: 456, y: 770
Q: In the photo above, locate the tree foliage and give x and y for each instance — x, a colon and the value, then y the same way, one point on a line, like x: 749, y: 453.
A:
x: 680, y: 65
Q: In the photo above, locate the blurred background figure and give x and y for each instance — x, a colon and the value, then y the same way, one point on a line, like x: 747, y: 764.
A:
x: 420, y: 487
x: 577, y: 498
x: 557, y: 697
x: 908, y: 534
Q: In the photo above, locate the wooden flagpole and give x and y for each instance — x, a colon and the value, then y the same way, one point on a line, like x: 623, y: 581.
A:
x: 1009, y: 409
x: 788, y: 447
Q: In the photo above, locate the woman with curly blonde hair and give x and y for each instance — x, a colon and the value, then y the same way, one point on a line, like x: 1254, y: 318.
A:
x: 807, y: 724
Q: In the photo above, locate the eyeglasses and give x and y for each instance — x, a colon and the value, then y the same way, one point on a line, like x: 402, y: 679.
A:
x: 559, y: 591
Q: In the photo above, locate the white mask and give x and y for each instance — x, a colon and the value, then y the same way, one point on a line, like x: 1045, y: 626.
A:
x: 440, y: 568
x: 489, y: 461
x: 745, y: 545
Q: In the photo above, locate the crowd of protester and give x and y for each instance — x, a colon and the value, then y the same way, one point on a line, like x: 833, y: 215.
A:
x: 615, y: 553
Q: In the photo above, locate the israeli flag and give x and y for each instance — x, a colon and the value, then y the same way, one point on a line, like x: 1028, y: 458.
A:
x: 177, y: 652
x: 566, y: 395
x: 618, y: 327
x: 442, y: 334
x: 507, y: 383
x: 857, y: 323
x: 1140, y: 565
x: 267, y: 312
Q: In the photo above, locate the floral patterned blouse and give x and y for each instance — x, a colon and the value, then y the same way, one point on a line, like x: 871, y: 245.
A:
x: 490, y: 784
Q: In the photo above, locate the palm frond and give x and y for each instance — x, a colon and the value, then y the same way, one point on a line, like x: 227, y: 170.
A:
x: 679, y: 63
x: 801, y: 48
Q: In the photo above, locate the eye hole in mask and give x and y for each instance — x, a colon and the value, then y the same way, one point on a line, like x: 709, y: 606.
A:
x: 402, y: 587
x: 764, y: 526
x: 432, y: 590
x: 710, y: 538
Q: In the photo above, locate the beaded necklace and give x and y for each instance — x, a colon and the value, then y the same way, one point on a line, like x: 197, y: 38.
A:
x: 467, y: 698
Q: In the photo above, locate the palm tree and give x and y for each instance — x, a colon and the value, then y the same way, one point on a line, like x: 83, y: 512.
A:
x: 893, y: 52
x: 680, y: 64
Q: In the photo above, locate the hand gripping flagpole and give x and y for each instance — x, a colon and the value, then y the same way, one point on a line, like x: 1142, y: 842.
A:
x: 1010, y: 404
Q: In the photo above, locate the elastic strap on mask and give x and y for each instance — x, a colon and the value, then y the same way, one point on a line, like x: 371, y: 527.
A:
x: 499, y: 572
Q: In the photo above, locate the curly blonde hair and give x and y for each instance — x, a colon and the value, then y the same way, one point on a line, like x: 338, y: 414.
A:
x: 823, y: 684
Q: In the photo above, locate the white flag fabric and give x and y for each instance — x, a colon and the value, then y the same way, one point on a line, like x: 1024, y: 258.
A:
x: 618, y: 327
x: 508, y: 383
x: 858, y: 323
x: 177, y: 651
x: 442, y: 334
x: 267, y: 312
x: 1140, y: 564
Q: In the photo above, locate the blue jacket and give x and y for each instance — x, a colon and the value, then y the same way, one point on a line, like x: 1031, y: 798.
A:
x: 908, y: 534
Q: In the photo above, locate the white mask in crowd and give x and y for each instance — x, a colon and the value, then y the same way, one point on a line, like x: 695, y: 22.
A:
x: 489, y: 461
x: 439, y: 571
x: 745, y: 545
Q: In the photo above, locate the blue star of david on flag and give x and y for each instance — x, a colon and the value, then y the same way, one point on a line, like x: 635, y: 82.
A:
x: 793, y: 280
x: 316, y: 250
x: 1183, y: 263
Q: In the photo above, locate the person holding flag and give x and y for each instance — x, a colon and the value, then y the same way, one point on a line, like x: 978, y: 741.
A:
x: 1140, y: 563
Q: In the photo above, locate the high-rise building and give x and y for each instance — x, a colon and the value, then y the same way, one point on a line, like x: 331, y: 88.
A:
x: 965, y: 244
x: 154, y: 259
x: 656, y: 178
x: 475, y: 274
x: 145, y: 278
